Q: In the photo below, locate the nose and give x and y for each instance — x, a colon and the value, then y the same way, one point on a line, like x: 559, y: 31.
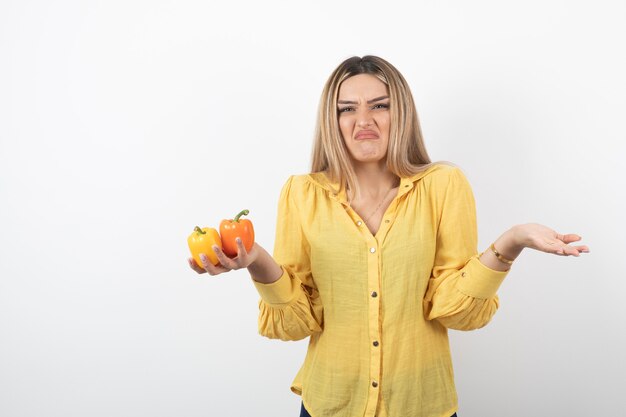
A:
x: 364, y: 120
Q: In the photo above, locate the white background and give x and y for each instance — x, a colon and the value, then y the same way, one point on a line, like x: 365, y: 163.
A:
x: 123, y: 124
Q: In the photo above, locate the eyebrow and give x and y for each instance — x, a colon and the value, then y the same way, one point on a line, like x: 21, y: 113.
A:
x: 369, y: 101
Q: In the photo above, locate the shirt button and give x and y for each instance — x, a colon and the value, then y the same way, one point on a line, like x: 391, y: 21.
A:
x: 374, y: 384
x: 406, y: 186
x: 359, y: 223
x: 375, y: 343
x: 374, y: 294
x: 387, y: 221
x: 372, y: 250
x: 463, y: 274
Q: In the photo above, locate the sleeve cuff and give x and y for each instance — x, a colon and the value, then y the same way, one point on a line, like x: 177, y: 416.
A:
x: 480, y: 281
x: 279, y: 292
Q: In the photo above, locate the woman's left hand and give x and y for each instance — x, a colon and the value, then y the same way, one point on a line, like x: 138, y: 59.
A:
x: 542, y: 238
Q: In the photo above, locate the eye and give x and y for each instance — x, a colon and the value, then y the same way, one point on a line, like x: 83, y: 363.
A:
x: 381, y: 106
x: 346, y: 109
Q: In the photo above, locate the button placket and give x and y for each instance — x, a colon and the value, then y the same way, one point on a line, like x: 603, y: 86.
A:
x: 373, y: 276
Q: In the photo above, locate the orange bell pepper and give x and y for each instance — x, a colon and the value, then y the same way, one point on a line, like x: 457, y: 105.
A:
x: 202, y: 241
x: 231, y: 229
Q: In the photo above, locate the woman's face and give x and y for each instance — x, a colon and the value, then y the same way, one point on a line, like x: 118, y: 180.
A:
x: 363, y: 113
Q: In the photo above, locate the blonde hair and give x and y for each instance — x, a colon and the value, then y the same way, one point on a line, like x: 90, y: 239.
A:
x: 406, y: 153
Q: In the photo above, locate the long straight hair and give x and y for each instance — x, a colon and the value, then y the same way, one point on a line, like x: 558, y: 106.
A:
x: 406, y: 153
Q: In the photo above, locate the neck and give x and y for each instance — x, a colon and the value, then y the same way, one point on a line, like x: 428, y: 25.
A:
x: 374, y: 180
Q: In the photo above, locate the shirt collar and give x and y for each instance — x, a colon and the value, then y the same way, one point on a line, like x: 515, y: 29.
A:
x: 339, y: 193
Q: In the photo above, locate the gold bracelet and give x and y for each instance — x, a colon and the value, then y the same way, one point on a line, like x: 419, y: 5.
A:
x: 500, y: 257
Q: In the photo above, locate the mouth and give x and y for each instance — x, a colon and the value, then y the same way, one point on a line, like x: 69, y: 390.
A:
x: 366, y: 134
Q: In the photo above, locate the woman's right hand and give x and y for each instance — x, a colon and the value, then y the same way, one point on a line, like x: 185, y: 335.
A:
x: 242, y: 260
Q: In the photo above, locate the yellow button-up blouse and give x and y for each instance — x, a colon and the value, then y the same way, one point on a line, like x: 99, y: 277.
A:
x: 377, y: 308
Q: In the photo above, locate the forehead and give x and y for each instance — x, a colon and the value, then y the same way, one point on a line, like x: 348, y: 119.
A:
x: 365, y: 86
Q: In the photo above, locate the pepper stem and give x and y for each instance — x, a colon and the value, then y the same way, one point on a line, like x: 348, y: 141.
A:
x: 242, y: 213
x: 197, y: 229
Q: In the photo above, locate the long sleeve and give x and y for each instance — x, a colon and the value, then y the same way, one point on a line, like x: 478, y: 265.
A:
x: 461, y: 292
x: 290, y: 308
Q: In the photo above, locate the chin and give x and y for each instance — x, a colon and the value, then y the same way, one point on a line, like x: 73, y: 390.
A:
x: 368, y: 159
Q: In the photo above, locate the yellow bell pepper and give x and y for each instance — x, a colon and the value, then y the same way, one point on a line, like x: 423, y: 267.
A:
x: 202, y: 241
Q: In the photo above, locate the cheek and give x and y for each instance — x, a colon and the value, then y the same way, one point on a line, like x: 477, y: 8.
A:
x: 346, y: 125
x: 385, y: 122
x: 385, y: 127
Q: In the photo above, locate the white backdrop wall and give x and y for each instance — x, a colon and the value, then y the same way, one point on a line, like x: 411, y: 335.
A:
x: 123, y: 124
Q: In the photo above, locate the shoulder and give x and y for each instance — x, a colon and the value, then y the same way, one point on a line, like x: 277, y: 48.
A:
x: 299, y: 187
x: 297, y: 182
x: 447, y: 180
x: 448, y: 173
x: 315, y: 181
x: 435, y: 171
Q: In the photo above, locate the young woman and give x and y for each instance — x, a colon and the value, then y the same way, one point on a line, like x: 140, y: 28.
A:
x: 376, y: 257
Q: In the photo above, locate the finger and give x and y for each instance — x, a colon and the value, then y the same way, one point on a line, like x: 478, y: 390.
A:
x: 194, y: 265
x: 241, y: 249
x: 569, y: 238
x: 571, y: 251
x: 242, y: 254
x: 583, y: 249
x: 568, y: 250
x: 579, y: 248
x: 224, y: 260
x: 209, y: 267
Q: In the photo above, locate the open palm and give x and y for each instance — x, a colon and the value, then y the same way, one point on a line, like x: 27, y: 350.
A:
x: 542, y: 238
